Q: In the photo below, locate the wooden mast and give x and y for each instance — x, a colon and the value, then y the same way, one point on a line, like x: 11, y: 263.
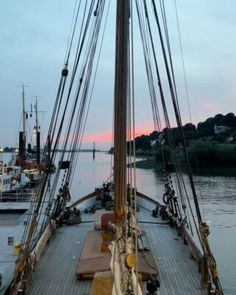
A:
x: 121, y: 77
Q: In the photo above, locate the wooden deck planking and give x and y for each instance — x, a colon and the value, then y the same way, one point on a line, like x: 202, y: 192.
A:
x: 178, y: 273
x: 55, y: 273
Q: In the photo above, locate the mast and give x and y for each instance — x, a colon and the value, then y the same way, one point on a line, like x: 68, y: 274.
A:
x: 123, y: 260
x: 36, y: 115
x: 22, y: 134
x: 23, y: 111
x: 37, y: 127
x: 121, y: 76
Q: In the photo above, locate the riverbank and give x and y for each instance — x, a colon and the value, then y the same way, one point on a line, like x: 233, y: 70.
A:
x: 152, y: 163
x: 145, y: 163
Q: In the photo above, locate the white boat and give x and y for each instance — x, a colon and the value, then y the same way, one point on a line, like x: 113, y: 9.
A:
x: 12, y: 181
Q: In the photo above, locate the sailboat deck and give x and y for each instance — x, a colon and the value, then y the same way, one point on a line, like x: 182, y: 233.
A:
x: 55, y: 273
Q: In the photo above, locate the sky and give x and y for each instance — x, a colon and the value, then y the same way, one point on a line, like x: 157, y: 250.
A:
x: 33, y: 42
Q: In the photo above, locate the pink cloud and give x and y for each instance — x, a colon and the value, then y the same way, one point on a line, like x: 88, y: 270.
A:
x: 102, y: 137
x: 106, y: 137
x: 144, y: 129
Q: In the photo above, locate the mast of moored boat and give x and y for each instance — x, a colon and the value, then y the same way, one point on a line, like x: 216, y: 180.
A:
x: 22, y: 134
x: 37, y: 132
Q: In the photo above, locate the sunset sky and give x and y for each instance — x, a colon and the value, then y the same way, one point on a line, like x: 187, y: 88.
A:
x: 33, y: 41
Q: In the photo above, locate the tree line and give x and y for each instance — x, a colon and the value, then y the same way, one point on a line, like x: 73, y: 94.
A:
x: 210, y: 143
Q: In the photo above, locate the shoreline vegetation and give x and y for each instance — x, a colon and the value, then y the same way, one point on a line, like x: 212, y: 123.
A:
x: 211, y: 146
x: 151, y: 163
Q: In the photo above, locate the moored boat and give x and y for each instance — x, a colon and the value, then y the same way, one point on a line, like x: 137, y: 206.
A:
x: 13, y: 180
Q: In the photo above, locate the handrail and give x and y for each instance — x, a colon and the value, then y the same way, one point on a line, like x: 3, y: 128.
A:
x: 19, y: 195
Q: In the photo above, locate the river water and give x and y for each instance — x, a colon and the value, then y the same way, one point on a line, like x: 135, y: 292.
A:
x: 217, y: 198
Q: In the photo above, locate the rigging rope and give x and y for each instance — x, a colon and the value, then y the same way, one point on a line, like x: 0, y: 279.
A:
x: 170, y: 138
x: 210, y: 264
x: 73, y: 28
x: 80, y: 131
x: 171, y: 143
x: 36, y: 208
x: 177, y: 113
x: 183, y: 63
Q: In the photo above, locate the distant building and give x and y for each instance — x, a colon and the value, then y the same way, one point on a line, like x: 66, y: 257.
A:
x: 159, y: 140
x: 153, y: 142
x: 231, y: 138
x: 220, y: 129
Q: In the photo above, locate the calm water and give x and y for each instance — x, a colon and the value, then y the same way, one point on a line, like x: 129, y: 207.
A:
x: 217, y: 197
